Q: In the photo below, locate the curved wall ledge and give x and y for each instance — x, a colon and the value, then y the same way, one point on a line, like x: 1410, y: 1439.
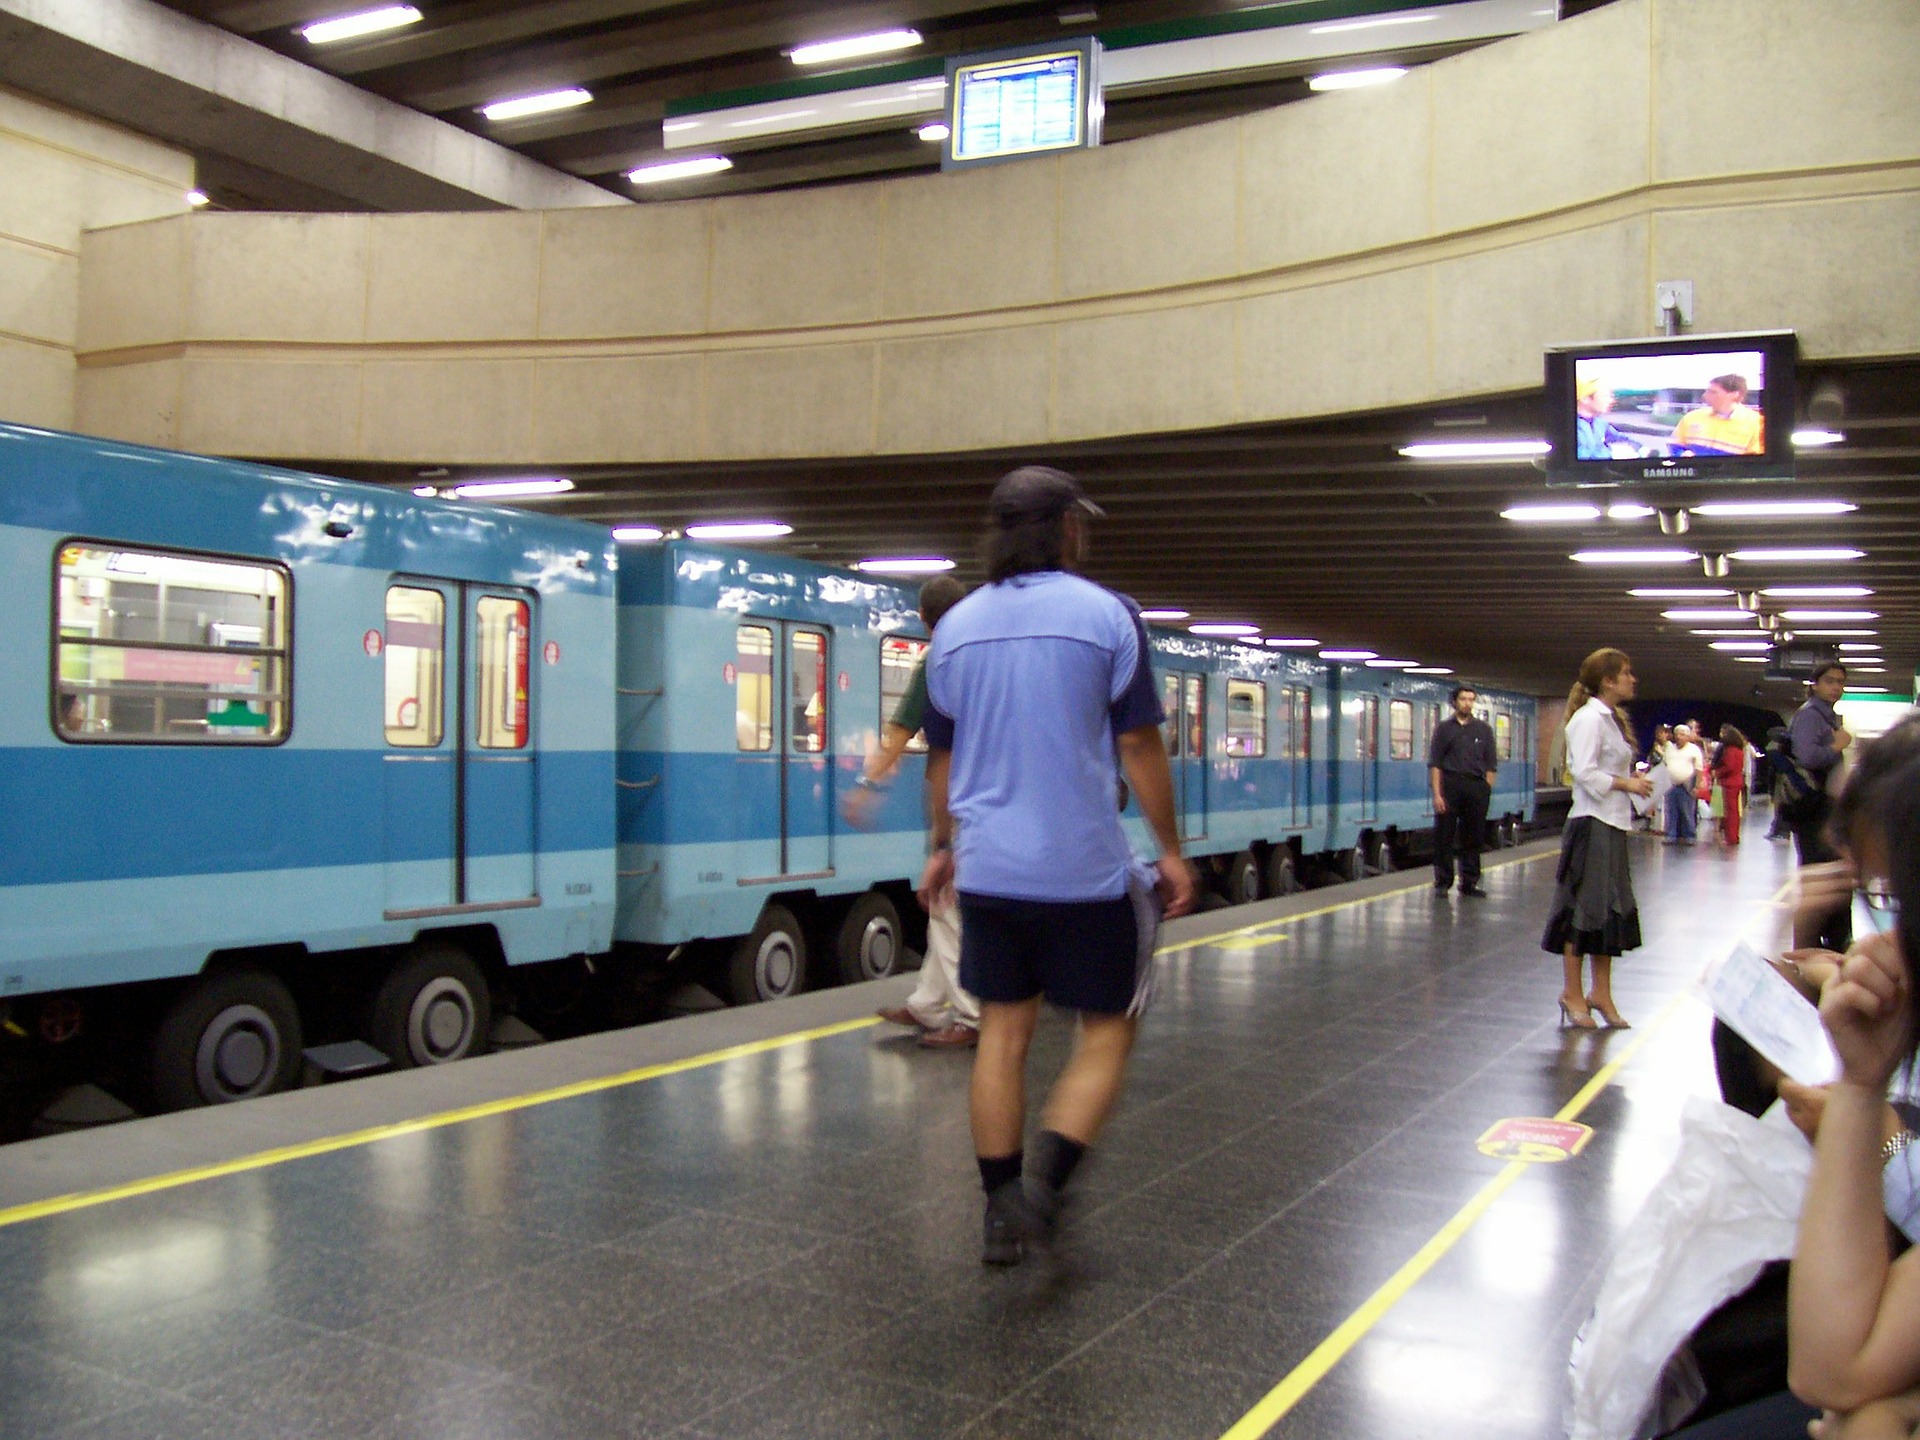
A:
x: 1421, y: 242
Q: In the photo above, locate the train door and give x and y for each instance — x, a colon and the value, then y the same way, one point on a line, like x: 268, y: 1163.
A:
x: 1183, y: 695
x: 1296, y: 747
x: 783, y: 799
x: 459, y: 778
x: 1367, y: 753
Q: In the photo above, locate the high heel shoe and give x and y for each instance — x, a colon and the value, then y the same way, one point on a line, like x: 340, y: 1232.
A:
x: 1609, y: 1013
x: 1583, y: 1021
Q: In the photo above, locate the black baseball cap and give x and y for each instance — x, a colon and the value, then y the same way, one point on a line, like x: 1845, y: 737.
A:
x: 1038, y: 492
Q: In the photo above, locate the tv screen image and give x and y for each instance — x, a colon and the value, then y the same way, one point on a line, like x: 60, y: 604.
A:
x: 1631, y: 407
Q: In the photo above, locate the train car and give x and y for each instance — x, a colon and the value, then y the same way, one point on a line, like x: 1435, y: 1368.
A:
x: 290, y: 758
x: 752, y: 688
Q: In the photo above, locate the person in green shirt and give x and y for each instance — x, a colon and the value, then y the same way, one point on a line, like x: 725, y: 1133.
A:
x: 946, y: 1015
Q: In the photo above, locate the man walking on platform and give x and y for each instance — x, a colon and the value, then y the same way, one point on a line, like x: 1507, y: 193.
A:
x: 1461, y: 765
x: 1820, y: 739
x: 1036, y: 682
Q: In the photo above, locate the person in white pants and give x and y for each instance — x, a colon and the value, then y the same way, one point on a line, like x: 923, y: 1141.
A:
x: 945, y: 1014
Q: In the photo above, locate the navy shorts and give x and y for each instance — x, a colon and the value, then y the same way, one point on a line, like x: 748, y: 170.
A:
x: 1093, y: 955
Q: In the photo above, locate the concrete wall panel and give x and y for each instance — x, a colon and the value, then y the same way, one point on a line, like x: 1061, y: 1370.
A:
x: 36, y: 384
x: 139, y: 402
x: 435, y: 411
x: 966, y: 392
x: 797, y: 258
x: 765, y: 404
x: 622, y: 409
x: 640, y: 270
x: 454, y: 277
x: 975, y: 240
x: 1359, y: 344
x: 1135, y: 374
x: 1156, y: 212
x: 266, y: 410
x: 134, y: 286
x: 279, y: 277
x: 39, y: 294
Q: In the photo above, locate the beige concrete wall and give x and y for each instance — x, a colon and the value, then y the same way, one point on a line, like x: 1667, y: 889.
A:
x: 1374, y: 248
x: 60, y: 174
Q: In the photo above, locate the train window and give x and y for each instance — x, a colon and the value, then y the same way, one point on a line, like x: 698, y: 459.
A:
x: 1246, y: 718
x: 1170, y: 703
x: 807, y: 669
x: 753, y: 688
x: 415, y: 652
x: 899, y: 658
x: 1366, y: 732
x: 1196, y: 695
x: 1503, y: 735
x: 1400, y: 730
x: 1300, y: 723
x: 163, y: 647
x: 500, y: 679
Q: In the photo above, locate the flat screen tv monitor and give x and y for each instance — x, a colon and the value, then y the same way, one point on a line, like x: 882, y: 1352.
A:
x: 1685, y: 408
x: 1014, y: 103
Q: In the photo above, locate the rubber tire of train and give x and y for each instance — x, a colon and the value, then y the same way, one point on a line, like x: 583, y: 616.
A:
x: 868, y: 943
x: 433, y: 984
x: 220, y: 1030
x: 1242, y: 879
x: 1381, y: 861
x: 1283, y: 873
x: 770, y: 963
x: 1353, y: 864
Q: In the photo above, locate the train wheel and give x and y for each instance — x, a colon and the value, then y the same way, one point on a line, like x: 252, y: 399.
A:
x: 771, y: 963
x: 1283, y: 873
x: 228, y: 1036
x: 868, y: 946
x: 1381, y: 861
x: 433, y: 1008
x: 1241, y: 880
x: 1353, y: 864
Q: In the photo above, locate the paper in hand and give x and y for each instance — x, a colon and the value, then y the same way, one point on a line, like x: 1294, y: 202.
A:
x: 1762, y: 1007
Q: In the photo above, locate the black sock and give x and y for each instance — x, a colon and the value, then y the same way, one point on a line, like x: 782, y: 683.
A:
x: 997, y: 1170
x: 1058, y: 1157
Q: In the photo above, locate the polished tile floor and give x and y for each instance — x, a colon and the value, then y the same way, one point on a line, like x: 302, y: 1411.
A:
x: 785, y: 1245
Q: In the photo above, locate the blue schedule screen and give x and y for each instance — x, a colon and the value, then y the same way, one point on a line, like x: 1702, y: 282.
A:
x: 1019, y: 107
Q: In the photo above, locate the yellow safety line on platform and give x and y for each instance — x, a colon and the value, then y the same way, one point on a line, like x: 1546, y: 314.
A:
x: 62, y: 1204
x: 1274, y: 924
x: 1274, y: 1406
x: 1332, y: 1350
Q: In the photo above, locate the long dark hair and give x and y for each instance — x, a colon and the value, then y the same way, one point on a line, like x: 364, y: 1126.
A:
x: 1880, y: 759
x: 1600, y: 666
x: 1894, y: 805
x: 1022, y: 547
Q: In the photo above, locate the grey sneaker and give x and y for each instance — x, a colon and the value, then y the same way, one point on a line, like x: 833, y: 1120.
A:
x: 1010, y: 1225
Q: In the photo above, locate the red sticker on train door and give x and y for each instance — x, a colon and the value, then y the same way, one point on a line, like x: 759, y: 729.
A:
x: 551, y: 652
x: 373, y: 642
x: 728, y: 673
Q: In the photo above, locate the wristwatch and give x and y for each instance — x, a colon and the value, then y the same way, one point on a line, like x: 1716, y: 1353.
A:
x: 1894, y: 1144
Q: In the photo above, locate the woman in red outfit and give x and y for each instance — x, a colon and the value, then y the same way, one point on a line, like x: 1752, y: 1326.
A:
x: 1730, y: 774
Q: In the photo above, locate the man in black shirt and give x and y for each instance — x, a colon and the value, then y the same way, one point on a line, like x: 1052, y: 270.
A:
x: 1461, y: 765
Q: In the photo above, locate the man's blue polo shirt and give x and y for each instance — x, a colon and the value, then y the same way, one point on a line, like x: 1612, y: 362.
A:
x: 1029, y: 681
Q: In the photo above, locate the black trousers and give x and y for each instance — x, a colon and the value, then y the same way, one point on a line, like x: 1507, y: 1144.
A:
x: 1463, y: 828
x: 1808, y: 822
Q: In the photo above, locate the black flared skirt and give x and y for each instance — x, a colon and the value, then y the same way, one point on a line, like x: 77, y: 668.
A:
x: 1593, y: 906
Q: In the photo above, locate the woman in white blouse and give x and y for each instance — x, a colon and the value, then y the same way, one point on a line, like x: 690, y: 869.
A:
x: 1594, y: 912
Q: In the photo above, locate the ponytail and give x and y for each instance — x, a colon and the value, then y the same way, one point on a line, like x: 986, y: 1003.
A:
x: 1599, y: 667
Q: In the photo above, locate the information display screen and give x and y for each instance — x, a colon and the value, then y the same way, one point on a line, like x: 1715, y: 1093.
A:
x: 1022, y: 103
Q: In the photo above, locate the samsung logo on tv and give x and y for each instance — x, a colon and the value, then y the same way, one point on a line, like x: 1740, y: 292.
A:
x: 1665, y: 472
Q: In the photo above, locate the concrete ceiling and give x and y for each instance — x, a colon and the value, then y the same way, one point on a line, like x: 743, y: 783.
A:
x: 1322, y: 529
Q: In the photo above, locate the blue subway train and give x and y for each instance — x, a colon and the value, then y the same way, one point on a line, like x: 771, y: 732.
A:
x: 321, y: 760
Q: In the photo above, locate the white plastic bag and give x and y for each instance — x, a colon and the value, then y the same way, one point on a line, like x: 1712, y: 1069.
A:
x: 1730, y: 1204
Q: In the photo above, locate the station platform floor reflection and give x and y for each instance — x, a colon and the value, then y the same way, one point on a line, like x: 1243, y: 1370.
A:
x: 780, y: 1239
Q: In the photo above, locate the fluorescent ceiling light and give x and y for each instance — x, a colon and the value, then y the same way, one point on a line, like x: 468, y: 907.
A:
x: 905, y: 565
x: 1855, y: 668
x: 1866, y: 690
x: 1816, y: 616
x: 1764, y: 509
x: 1633, y: 557
x: 1856, y: 645
x: 536, y: 104
x: 739, y: 530
x: 365, y: 22
x: 1356, y: 79
x: 1290, y: 642
x: 638, y: 534
x: 1818, y: 592
x: 1749, y: 659
x: 425, y: 492
x: 516, y: 489
x: 1794, y: 556
x: 1164, y: 614
x: 1548, y: 514
x: 1656, y: 592
x: 1811, y: 439
x: 1232, y: 629
x: 197, y: 198
x: 1741, y: 645
x: 1431, y: 670
x: 1630, y: 510
x: 1707, y: 615
x: 933, y: 133
x: 1748, y: 631
x: 826, y: 52
x: 1475, y: 449
x: 666, y: 170
x: 1830, y: 634
x: 1340, y: 27
x: 1391, y: 664
x: 1349, y: 654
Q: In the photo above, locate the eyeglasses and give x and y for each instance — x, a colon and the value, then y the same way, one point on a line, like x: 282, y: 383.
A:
x: 1878, y: 899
